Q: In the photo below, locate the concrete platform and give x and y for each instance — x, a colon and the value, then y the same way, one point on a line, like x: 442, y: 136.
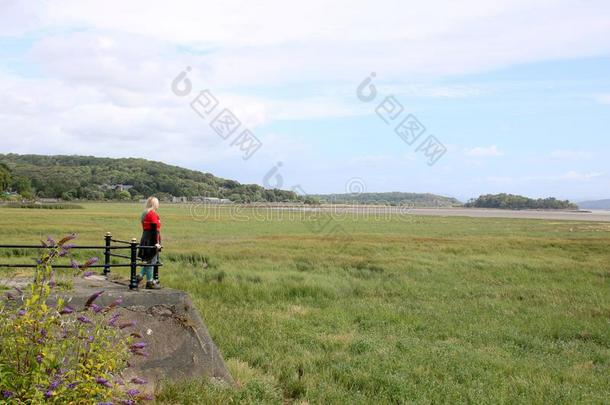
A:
x: 179, y: 344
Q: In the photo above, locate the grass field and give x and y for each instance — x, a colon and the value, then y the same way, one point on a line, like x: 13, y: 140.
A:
x: 418, y: 309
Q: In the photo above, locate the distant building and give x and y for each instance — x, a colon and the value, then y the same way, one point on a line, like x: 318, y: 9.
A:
x: 117, y: 187
x: 211, y: 200
x: 180, y: 199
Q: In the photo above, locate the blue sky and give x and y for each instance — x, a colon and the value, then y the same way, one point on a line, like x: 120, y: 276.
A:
x: 518, y: 92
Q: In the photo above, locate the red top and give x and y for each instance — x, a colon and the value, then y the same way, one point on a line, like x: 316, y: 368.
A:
x: 149, y: 218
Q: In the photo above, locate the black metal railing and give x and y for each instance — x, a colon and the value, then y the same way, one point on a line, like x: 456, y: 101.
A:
x: 109, y: 250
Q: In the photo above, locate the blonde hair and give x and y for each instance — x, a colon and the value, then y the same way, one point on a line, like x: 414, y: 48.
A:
x: 152, y: 203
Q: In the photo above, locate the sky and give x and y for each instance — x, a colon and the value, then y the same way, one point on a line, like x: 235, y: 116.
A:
x: 506, y: 96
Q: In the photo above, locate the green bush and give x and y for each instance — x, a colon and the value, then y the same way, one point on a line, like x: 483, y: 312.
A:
x: 52, y: 353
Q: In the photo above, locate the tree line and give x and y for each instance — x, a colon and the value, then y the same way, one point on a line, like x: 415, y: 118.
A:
x: 90, y: 178
x: 518, y: 202
x: 390, y: 198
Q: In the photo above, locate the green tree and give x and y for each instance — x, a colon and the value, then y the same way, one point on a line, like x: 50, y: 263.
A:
x: 22, y: 185
x: 123, y: 195
x: 69, y: 195
x: 5, y: 177
x: 235, y: 198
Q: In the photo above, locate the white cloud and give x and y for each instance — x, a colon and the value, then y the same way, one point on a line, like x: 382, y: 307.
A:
x: 18, y: 17
x: 482, y: 151
x: 274, y: 41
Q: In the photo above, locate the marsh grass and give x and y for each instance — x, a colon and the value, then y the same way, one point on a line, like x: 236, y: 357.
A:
x: 38, y: 206
x: 423, y: 309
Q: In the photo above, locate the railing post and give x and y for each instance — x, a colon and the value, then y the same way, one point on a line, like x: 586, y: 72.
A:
x: 108, y: 239
x: 133, y: 282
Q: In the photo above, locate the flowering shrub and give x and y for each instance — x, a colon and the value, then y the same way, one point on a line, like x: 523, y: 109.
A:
x: 53, y: 353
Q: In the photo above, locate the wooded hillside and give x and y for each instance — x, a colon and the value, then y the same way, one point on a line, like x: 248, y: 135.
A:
x: 87, y: 177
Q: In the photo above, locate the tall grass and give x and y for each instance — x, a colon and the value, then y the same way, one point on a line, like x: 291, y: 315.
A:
x: 419, y: 309
x: 39, y: 206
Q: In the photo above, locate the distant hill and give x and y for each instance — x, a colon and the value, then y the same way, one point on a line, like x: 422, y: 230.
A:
x: 392, y: 198
x: 94, y: 178
x: 595, y: 205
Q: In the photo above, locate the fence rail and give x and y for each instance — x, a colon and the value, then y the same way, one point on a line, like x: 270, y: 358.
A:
x: 108, y: 249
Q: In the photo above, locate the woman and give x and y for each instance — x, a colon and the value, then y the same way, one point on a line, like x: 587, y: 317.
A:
x: 151, y: 238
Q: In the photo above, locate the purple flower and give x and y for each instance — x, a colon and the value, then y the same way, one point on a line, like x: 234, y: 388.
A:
x: 72, y: 385
x: 96, y: 308
x: 115, y: 303
x: 104, y: 403
x: 139, y: 345
x: 104, y: 382
x: 87, y: 274
x: 48, y: 394
x: 133, y: 392
x: 90, y: 339
x: 84, y: 319
x: 7, y: 394
x: 39, y: 358
x: 113, y: 319
x: 21, y: 312
x: 74, y: 264
x: 67, y: 310
x: 90, y: 262
x: 138, y: 381
x: 67, y: 238
x: 127, y: 402
x: 127, y: 324
x: 54, y: 385
x: 92, y: 298
x: 50, y: 242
